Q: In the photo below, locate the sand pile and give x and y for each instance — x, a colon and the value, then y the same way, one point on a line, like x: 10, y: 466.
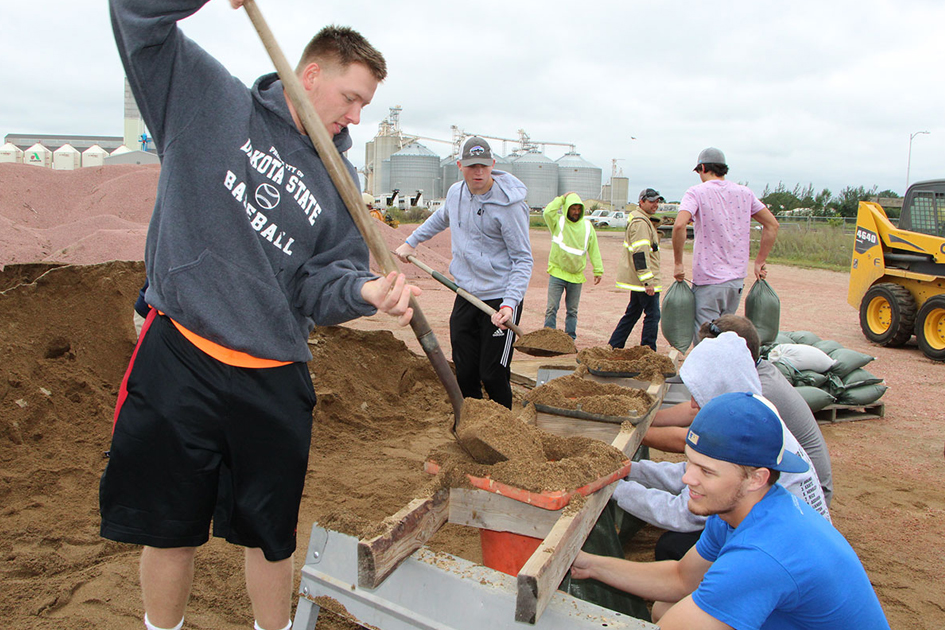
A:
x: 66, y: 343
x: 579, y: 394
x: 94, y: 215
x: 638, y: 361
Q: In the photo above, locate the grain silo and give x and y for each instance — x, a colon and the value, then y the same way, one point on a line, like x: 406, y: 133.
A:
x: 540, y: 175
x: 384, y: 147
x: 120, y: 150
x: 578, y: 175
x: 11, y: 153
x: 94, y: 156
x: 413, y: 168
x: 38, y: 155
x: 66, y: 158
x: 502, y: 163
x: 449, y: 174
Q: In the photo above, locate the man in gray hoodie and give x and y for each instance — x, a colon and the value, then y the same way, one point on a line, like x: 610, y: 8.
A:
x: 249, y: 247
x: 492, y: 259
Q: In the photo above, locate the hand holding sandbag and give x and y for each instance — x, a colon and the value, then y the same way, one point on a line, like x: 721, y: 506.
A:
x: 678, y: 317
x: 763, y: 308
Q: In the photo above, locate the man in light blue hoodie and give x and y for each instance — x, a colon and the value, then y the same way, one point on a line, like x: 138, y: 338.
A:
x: 492, y: 259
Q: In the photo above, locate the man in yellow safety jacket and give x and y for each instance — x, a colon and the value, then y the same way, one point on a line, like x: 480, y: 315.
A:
x: 639, y: 271
x: 573, y: 239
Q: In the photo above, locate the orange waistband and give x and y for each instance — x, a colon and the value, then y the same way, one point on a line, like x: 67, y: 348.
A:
x: 225, y: 355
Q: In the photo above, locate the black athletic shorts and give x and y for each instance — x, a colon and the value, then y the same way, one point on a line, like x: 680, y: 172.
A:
x: 194, y: 436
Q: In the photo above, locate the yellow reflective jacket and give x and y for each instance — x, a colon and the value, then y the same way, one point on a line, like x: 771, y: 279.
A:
x: 571, y: 241
x: 640, y: 265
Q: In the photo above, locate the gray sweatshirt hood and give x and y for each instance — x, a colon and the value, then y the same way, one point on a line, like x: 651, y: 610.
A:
x: 720, y: 366
x: 269, y: 92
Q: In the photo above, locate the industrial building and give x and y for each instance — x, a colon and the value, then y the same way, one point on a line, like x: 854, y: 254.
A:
x: 396, y: 162
x: 67, y: 152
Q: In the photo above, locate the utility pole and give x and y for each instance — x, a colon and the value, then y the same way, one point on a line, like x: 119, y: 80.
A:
x: 909, y: 163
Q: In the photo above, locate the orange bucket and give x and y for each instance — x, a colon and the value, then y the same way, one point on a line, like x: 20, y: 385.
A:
x: 505, y: 551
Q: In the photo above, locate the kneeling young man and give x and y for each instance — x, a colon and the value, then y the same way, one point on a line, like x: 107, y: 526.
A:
x: 766, y: 559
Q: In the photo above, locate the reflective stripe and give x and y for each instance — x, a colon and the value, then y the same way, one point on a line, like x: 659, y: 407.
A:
x: 646, y: 276
x: 641, y: 243
x: 559, y: 238
x: 635, y: 287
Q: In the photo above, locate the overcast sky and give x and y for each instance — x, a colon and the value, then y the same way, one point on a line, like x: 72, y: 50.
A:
x: 812, y: 92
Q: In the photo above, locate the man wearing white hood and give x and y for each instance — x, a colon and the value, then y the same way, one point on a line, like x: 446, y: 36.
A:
x: 654, y: 491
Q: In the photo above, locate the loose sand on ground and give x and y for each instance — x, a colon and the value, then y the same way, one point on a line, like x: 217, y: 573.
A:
x: 67, y: 337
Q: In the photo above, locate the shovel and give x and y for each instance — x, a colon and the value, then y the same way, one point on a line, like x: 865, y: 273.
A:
x: 485, y: 308
x: 349, y: 193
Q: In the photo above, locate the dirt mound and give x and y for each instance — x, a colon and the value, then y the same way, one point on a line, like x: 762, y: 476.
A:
x: 67, y: 338
x: 85, y: 216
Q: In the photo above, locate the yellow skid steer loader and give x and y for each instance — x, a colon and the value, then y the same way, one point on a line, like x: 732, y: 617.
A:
x: 897, y: 275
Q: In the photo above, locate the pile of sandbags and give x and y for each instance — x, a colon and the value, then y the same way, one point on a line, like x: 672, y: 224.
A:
x: 823, y: 371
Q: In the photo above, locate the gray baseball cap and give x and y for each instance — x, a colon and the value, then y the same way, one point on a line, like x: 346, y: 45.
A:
x: 710, y: 156
x: 649, y: 194
x: 477, y: 151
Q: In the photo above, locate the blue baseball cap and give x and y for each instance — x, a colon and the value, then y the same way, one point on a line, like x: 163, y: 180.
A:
x: 742, y: 429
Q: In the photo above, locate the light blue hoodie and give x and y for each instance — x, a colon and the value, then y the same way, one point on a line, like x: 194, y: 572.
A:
x: 492, y: 254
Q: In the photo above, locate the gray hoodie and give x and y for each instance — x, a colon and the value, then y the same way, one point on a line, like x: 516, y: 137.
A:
x: 250, y: 244
x: 655, y: 492
x: 492, y: 254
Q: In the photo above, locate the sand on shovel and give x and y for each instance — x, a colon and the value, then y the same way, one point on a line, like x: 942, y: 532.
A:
x: 548, y: 341
x: 490, y: 434
x: 538, y: 461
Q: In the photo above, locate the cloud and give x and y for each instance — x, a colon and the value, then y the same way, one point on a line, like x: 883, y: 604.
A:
x: 811, y: 92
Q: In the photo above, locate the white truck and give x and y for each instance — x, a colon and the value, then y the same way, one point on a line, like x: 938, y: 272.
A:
x: 609, y: 218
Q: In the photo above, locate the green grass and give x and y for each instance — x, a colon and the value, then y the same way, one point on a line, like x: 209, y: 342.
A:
x: 821, y: 247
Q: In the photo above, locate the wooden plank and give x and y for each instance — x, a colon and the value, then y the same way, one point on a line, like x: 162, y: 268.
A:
x: 566, y: 427
x: 410, y: 529
x: 539, y: 578
x: 488, y: 510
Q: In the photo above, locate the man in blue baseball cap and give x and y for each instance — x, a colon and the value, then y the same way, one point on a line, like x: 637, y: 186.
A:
x: 766, y: 559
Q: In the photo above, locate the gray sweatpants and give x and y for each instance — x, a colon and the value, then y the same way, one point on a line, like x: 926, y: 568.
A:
x: 715, y: 300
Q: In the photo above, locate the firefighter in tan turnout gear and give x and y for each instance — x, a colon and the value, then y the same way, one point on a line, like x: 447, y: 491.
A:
x: 639, y: 272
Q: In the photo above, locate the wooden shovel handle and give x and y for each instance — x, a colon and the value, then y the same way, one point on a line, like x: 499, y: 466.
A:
x: 482, y: 306
x: 352, y: 199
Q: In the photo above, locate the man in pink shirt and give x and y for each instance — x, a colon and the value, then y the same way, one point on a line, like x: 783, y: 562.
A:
x: 721, y: 212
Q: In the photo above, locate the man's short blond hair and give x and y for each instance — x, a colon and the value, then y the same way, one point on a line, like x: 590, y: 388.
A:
x: 342, y: 46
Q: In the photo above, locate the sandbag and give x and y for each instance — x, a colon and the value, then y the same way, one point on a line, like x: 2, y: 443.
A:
x: 815, y: 398
x: 847, y: 360
x: 783, y: 337
x: 859, y: 378
x: 804, y: 336
x: 678, y: 315
x: 763, y: 308
x: 802, y: 357
x: 828, y: 345
x: 810, y: 377
x: 862, y: 395
x: 787, y: 371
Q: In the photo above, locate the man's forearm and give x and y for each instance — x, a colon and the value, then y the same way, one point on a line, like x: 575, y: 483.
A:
x: 654, y: 581
x: 666, y: 439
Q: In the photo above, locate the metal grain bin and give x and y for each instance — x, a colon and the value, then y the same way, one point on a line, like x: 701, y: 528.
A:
x: 66, y: 158
x: 449, y: 175
x: 578, y: 175
x: 414, y: 168
x: 38, y: 155
x: 11, y: 153
x: 540, y: 174
x: 94, y: 156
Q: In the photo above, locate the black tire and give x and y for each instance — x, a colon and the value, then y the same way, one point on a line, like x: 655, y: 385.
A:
x: 930, y: 328
x: 887, y: 314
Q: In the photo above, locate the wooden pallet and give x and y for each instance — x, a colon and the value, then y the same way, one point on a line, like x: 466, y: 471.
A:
x: 849, y: 413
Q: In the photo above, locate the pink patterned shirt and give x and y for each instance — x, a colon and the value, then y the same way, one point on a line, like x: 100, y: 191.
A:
x: 721, y: 214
